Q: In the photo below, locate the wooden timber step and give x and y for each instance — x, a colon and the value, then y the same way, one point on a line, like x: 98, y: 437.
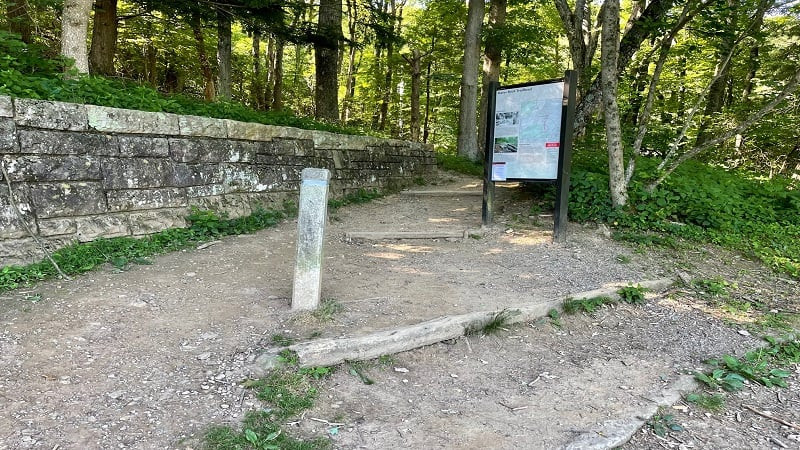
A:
x: 455, y: 193
x: 381, y: 235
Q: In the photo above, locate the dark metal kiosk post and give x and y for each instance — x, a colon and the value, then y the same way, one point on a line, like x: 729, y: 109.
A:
x: 487, y: 213
x: 524, y: 148
x: 565, y: 158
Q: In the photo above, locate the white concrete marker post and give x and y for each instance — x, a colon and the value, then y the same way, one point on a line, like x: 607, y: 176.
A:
x: 311, y: 219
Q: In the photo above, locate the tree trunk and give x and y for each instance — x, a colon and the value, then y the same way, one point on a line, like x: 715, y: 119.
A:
x: 415, y: 63
x: 19, y: 19
x: 224, y: 55
x: 492, y: 58
x: 326, y: 56
x: 257, y: 87
x: 350, y: 78
x: 609, y: 74
x: 104, y: 38
x: 467, y: 131
x: 655, y: 12
x: 209, y: 93
x: 277, y: 76
x: 74, y: 31
x: 269, y: 57
x: 425, y: 127
x: 151, y: 63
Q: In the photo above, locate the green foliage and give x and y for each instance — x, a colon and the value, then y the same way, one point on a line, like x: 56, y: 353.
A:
x: 661, y: 424
x: 327, y: 308
x: 699, y: 203
x: 282, y: 340
x: 586, y: 305
x: 355, y: 198
x: 764, y: 366
x: 555, y: 317
x: 494, y: 325
x: 632, y: 294
x: 712, y: 402
x: 121, y: 251
x: 459, y: 164
x: 26, y: 72
x: 710, y: 288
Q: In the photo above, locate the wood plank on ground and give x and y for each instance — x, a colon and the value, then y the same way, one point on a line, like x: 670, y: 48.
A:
x: 332, y: 351
x: 380, y: 235
x: 455, y: 193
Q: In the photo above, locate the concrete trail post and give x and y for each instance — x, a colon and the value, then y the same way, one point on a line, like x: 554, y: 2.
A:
x: 311, y: 219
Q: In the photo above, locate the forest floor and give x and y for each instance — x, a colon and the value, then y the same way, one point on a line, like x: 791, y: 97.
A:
x: 154, y: 355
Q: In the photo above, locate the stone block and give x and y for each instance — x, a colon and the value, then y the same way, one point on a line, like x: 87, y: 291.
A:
x: 150, y: 222
x: 202, y: 126
x: 233, y: 205
x: 19, y: 252
x: 143, y: 146
x: 199, y: 150
x: 135, y: 173
x: 243, y: 151
x: 207, y: 190
x: 57, y: 227
x: 291, y: 147
x: 6, y: 107
x: 10, y: 225
x: 247, y: 177
x: 310, y: 238
x: 116, y: 120
x: 67, y: 199
x: 134, y: 199
x: 50, y: 115
x: 52, y: 168
x: 65, y: 143
x: 186, y: 175
x: 333, y: 141
x: 8, y: 136
x: 260, y: 132
x: 90, y: 228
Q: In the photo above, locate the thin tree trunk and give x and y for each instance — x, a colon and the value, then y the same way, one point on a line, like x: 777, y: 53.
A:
x: 209, y: 92
x: 151, y: 63
x: 269, y: 57
x: 350, y: 77
x: 277, y: 76
x: 326, y: 56
x: 257, y: 87
x: 467, y: 130
x: 492, y: 58
x: 19, y: 19
x: 104, y: 38
x: 74, y: 31
x: 224, y: 54
x: 609, y: 74
x: 415, y: 63
x: 425, y: 128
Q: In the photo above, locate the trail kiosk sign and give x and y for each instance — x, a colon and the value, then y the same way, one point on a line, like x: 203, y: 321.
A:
x: 529, y: 139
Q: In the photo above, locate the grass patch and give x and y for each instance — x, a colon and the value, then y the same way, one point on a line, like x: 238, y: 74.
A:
x: 632, y: 294
x: 355, y: 198
x: 709, y: 402
x: 459, y: 164
x: 586, y: 305
x: 328, y: 308
x: 497, y: 323
x: 121, y: 251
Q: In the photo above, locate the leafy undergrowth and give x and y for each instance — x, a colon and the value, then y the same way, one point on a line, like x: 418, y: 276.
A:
x: 26, y: 72
x: 634, y: 295
x: 121, y: 251
x: 288, y: 391
x: 765, y: 366
x: 459, y: 164
x: 697, y: 203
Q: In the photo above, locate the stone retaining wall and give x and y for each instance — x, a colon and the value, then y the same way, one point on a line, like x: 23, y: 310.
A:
x: 80, y: 172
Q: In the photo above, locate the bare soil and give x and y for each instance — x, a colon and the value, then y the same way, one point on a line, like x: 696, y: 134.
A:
x: 152, y: 356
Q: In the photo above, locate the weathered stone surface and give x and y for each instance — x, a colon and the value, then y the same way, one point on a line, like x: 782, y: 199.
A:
x: 194, y: 175
x: 333, y: 141
x: 51, y: 115
x: 150, y: 222
x: 133, y: 173
x: 200, y: 150
x: 143, y: 146
x: 9, y: 220
x: 66, y: 143
x: 19, y: 252
x: 248, y: 177
x: 52, y: 168
x: 310, y: 238
x: 6, y: 107
x: 130, y: 200
x: 108, y: 225
x: 259, y: 132
x: 8, y: 136
x: 202, y: 126
x: 243, y: 151
x: 205, y: 190
x: 116, y: 120
x: 57, y: 227
x: 67, y: 199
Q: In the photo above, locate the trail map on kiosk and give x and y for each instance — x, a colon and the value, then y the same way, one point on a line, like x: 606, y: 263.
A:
x: 527, y: 132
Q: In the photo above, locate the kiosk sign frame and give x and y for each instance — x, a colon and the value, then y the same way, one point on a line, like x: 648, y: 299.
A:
x: 529, y: 139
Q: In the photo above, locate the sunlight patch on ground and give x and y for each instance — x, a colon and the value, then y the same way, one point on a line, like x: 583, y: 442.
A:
x: 442, y: 220
x: 410, y: 270
x: 494, y: 251
x: 386, y: 255
x: 529, y: 238
x: 408, y: 248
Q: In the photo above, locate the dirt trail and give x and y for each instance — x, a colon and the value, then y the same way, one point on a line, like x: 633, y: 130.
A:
x: 152, y: 356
